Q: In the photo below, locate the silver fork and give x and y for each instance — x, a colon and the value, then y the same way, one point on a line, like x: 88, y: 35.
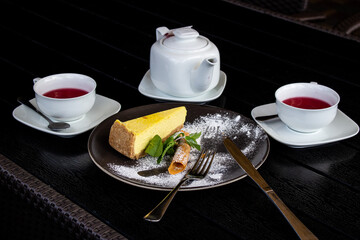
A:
x: 211, y: 132
x: 198, y: 171
x: 209, y: 137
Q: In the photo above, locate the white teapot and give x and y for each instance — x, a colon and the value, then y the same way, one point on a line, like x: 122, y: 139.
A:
x: 183, y: 63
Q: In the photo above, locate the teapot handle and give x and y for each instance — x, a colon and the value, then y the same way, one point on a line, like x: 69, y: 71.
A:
x: 160, y: 32
x: 35, y: 80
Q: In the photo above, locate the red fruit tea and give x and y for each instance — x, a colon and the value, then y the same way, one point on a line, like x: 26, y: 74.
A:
x: 306, y: 103
x: 65, y: 93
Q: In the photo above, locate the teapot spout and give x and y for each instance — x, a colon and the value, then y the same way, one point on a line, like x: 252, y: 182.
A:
x: 202, y: 77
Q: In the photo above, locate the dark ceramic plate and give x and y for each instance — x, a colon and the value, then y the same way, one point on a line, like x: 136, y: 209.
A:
x: 248, y: 136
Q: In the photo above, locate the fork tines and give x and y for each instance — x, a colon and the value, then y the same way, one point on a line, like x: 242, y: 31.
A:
x: 211, y: 132
x: 203, y: 164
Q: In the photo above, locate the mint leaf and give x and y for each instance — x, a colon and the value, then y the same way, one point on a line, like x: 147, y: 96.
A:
x: 195, y: 135
x: 158, y: 149
x: 169, y: 146
x: 170, y: 139
x: 155, y: 146
x: 170, y: 150
x: 192, y: 142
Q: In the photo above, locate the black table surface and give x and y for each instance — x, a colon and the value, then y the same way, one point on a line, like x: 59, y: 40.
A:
x: 110, y: 41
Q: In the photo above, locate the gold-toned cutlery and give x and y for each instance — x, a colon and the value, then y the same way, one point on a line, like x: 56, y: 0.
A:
x: 301, y: 230
x: 198, y: 171
x: 55, y: 126
x: 267, y: 117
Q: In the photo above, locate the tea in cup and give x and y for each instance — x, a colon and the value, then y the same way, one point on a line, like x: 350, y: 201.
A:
x: 306, y: 107
x: 66, y: 96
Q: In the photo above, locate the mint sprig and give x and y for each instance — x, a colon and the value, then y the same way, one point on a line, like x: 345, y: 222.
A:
x: 155, y: 146
x: 158, y: 149
x: 191, y: 140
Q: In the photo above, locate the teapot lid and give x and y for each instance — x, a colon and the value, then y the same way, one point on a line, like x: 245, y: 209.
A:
x: 185, y: 39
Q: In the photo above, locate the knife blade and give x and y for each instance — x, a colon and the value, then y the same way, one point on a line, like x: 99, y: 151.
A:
x: 153, y: 171
x: 301, y: 230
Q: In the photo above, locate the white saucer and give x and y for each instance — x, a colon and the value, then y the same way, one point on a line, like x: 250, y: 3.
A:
x: 103, y: 108
x: 341, y: 128
x: 148, y: 89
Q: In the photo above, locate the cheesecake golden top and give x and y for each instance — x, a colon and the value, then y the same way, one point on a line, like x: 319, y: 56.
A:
x: 130, y: 138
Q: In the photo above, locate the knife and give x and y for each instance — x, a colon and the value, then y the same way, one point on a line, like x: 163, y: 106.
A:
x: 152, y: 172
x: 301, y: 230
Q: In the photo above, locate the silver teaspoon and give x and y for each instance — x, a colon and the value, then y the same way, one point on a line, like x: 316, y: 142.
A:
x: 55, y: 126
x: 268, y: 117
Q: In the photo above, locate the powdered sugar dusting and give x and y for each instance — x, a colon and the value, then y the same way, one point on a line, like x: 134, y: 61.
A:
x: 246, y: 134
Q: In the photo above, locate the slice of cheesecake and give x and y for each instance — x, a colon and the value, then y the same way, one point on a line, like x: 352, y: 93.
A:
x: 132, y: 137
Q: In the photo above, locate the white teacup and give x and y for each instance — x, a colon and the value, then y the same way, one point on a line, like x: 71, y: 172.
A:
x: 303, y: 118
x: 72, y: 96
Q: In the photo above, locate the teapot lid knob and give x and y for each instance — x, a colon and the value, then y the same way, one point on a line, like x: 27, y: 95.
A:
x: 185, y: 33
x: 184, y: 38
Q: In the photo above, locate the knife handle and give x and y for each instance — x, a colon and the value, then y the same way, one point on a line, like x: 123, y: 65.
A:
x: 158, y: 212
x: 301, y: 230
